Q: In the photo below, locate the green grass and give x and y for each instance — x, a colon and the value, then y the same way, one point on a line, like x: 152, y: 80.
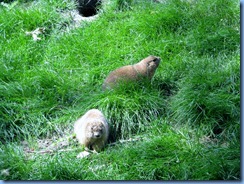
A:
x: 186, y: 121
x: 165, y: 153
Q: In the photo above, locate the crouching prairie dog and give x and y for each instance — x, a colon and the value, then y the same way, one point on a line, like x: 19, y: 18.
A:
x: 91, y: 130
x: 143, y: 69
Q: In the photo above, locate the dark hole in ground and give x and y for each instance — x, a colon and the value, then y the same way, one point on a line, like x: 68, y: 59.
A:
x: 88, y: 8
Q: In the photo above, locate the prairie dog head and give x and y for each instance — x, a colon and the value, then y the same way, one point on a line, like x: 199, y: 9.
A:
x: 151, y: 63
x: 95, y: 129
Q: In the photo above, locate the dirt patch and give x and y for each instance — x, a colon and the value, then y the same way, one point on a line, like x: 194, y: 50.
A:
x: 42, y: 146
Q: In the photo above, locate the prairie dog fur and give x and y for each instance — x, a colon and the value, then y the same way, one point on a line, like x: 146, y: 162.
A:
x: 91, y: 130
x: 144, y: 68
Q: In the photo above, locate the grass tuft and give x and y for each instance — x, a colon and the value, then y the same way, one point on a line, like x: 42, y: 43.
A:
x: 210, y: 93
x: 130, y: 109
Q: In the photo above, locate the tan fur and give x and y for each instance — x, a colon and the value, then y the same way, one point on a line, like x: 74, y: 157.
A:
x: 92, y: 130
x: 144, y: 68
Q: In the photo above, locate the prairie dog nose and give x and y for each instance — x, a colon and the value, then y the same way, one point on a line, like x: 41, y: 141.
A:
x: 97, y: 135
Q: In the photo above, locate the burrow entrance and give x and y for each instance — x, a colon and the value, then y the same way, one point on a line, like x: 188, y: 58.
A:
x: 88, y: 8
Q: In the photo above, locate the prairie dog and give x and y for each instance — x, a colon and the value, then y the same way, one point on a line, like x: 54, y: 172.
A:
x: 144, y: 68
x: 92, y: 130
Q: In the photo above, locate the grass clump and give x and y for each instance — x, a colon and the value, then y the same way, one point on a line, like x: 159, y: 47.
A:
x: 130, y: 110
x: 182, y: 125
x: 217, y: 79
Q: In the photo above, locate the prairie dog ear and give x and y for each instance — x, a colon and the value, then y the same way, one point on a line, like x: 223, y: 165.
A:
x: 151, y: 63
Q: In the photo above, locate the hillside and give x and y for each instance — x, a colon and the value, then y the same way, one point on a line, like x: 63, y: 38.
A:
x: 182, y: 125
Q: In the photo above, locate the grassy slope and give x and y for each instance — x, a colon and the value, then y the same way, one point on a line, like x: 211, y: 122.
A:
x: 188, y: 118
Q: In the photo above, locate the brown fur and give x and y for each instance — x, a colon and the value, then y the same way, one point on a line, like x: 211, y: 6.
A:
x: 144, y: 68
x: 92, y: 130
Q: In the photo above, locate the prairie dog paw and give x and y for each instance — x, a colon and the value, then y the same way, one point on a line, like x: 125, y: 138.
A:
x: 83, y: 154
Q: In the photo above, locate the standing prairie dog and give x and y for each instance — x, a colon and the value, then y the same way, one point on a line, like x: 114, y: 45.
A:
x: 91, y: 130
x: 143, y: 69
